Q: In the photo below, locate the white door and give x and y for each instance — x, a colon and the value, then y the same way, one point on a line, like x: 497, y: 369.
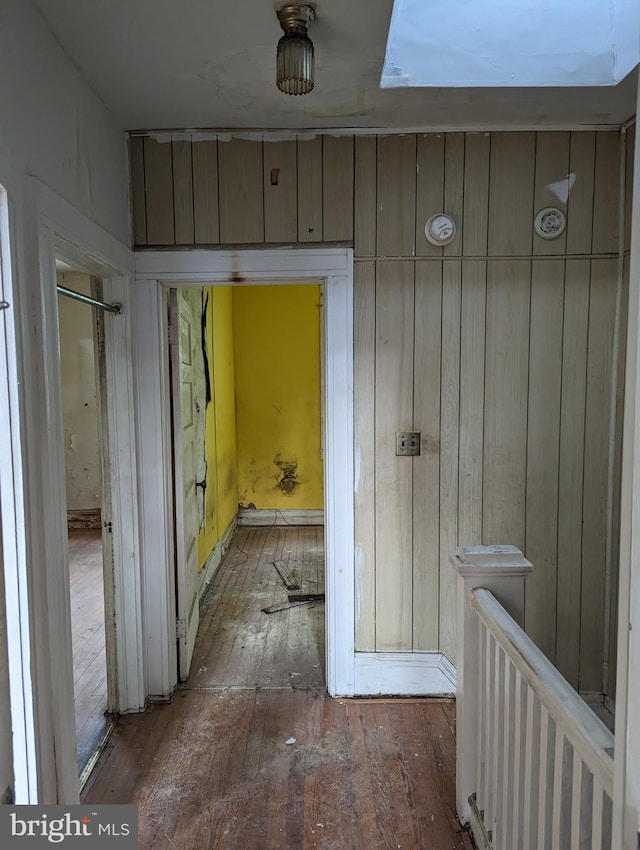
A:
x: 183, y: 339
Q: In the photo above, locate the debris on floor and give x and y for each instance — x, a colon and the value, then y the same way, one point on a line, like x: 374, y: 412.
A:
x: 306, y: 597
x: 283, y: 606
x: 288, y: 576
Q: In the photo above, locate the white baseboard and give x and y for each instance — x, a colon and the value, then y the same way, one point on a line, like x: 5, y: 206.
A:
x: 215, y: 558
x: 264, y: 516
x: 404, y: 674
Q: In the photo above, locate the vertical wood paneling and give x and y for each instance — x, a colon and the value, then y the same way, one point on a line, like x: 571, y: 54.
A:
x: 506, y: 390
x: 337, y: 188
x: 617, y: 484
x: 280, y: 191
x: 310, y: 190
x: 511, y: 193
x: 396, y: 195
x: 449, y: 439
x: 552, y: 166
x: 596, y: 451
x: 393, y: 412
x: 426, y: 467
x: 138, y: 203
x: 628, y: 188
x: 491, y: 385
x: 571, y: 467
x: 182, y: 191
x: 472, y: 356
x: 580, y: 206
x: 159, y: 192
x: 429, y: 189
x: 240, y: 183
x: 454, y: 187
x: 476, y: 193
x: 543, y: 445
x: 365, y: 209
x: 606, y: 193
x: 364, y: 307
x: 205, y: 192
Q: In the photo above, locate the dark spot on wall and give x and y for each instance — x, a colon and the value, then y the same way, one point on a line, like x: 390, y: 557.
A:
x: 249, y: 505
x: 287, y: 481
x: 235, y: 276
x: 229, y: 482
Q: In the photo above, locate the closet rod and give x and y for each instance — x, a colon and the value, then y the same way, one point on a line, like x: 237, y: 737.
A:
x: 70, y: 293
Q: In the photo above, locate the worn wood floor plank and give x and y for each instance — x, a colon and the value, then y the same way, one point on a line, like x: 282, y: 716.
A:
x: 88, y: 641
x: 213, y: 769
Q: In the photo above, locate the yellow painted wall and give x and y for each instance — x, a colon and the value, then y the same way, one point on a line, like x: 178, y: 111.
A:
x: 277, y: 375
x: 221, y: 495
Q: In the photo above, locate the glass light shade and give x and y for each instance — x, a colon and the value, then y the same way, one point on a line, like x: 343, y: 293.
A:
x: 294, y: 64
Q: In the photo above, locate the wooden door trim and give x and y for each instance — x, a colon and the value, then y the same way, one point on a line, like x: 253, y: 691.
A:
x: 40, y: 650
x: 157, y: 270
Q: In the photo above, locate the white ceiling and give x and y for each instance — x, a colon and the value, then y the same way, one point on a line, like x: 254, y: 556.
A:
x: 186, y: 64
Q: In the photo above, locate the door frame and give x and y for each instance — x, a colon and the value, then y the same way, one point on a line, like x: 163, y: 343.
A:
x: 155, y: 272
x: 61, y: 230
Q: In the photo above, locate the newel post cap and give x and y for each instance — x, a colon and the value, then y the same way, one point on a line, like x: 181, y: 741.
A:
x: 497, y: 560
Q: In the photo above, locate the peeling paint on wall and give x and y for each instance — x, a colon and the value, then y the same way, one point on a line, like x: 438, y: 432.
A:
x: 562, y: 188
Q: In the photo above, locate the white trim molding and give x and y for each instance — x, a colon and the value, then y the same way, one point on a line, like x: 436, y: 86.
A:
x: 404, y: 674
x: 155, y: 272
x: 266, y: 516
x: 626, y: 798
x: 65, y: 232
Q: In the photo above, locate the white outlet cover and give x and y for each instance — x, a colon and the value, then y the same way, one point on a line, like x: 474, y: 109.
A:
x: 440, y: 229
x: 550, y: 223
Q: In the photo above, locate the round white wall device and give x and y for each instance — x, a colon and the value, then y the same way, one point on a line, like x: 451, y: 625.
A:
x: 550, y: 223
x: 440, y: 229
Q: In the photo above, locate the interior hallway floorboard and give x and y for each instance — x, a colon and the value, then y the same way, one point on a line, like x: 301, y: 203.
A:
x: 89, y: 654
x: 253, y: 753
x: 238, y: 645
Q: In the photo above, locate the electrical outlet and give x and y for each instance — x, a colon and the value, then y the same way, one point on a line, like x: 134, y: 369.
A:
x: 407, y: 443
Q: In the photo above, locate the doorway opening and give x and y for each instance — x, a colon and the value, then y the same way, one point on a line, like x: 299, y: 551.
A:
x: 82, y: 376
x: 246, y: 383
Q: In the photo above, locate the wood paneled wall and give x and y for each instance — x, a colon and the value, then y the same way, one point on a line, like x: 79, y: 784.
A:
x: 610, y: 679
x: 498, y: 348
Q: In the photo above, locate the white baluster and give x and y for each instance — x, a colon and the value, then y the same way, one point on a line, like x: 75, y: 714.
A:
x: 576, y: 802
x: 481, y: 773
x: 519, y: 726
x: 596, y: 817
x: 557, y: 792
x: 542, y: 778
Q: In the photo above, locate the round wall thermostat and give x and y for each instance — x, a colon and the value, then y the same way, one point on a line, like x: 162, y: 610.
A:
x: 440, y: 229
x: 550, y: 223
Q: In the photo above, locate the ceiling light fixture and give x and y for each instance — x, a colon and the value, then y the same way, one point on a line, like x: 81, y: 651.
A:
x: 294, y: 59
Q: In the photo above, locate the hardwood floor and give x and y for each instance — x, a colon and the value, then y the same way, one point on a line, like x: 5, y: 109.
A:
x: 252, y: 752
x: 238, y: 645
x: 89, y: 658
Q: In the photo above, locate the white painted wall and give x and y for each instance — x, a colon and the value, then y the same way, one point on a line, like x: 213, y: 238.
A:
x: 55, y: 129
x: 79, y: 398
x: 6, y: 752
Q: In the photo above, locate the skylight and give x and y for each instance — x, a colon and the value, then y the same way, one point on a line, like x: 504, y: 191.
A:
x: 470, y: 43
